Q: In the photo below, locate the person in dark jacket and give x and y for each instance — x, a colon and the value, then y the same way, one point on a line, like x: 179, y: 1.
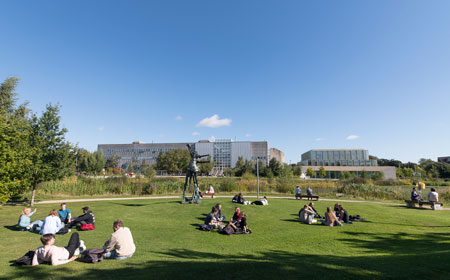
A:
x: 87, y: 218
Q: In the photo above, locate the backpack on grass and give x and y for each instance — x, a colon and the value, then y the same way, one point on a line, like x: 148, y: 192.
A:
x: 92, y: 256
x: 26, y: 259
x: 87, y: 227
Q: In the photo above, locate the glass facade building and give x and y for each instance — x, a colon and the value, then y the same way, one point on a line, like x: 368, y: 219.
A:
x: 353, y: 157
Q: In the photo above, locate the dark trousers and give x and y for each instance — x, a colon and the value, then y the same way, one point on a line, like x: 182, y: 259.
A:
x: 74, y: 243
x: 74, y: 222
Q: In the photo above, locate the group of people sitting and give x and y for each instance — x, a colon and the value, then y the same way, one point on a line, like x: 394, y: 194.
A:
x: 57, y: 222
x: 240, y: 199
x: 119, y: 246
x: 335, y: 217
x: 298, y: 191
x: 433, y: 196
x: 237, y: 224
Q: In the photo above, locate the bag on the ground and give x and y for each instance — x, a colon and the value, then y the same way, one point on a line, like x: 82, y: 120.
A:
x: 228, y: 230
x: 26, y: 259
x: 206, y: 227
x: 92, y: 256
x: 64, y: 230
x: 87, y: 227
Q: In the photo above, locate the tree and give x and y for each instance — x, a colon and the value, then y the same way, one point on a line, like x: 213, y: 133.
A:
x: 52, y: 155
x: 297, y: 169
x: 112, y: 161
x: 98, y: 162
x: 275, y: 166
x: 149, y: 172
x: 15, y: 152
x: 206, y: 168
x: 173, y: 161
x: 310, y: 172
x: 322, y: 172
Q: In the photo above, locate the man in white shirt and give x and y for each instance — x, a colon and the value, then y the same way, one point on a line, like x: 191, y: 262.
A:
x: 120, y: 245
x: 433, y: 196
x: 54, y: 255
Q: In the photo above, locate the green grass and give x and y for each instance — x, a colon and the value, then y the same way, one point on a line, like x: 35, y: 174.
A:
x: 396, y: 242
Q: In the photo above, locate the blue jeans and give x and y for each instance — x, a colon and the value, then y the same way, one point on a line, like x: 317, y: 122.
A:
x: 113, y: 255
x: 36, y: 225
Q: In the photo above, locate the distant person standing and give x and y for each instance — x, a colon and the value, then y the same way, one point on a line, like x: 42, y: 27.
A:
x: 298, y: 191
x: 433, y: 196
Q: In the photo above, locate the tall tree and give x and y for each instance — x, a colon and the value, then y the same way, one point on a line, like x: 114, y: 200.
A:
x: 322, y: 172
x: 112, y: 161
x: 52, y: 156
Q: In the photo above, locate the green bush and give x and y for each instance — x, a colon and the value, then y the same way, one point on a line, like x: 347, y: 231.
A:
x: 228, y: 185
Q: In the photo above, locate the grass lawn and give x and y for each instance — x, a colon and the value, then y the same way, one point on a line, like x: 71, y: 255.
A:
x: 396, y: 242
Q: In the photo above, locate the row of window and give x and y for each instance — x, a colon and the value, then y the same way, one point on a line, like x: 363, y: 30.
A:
x: 338, y: 155
x: 341, y: 163
x: 112, y: 151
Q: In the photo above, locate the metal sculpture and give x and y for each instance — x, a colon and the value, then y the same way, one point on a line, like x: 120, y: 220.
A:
x: 191, y: 176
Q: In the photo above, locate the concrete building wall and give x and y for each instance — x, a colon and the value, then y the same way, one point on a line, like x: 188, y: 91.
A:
x: 240, y: 149
x: 277, y: 154
x: 444, y: 159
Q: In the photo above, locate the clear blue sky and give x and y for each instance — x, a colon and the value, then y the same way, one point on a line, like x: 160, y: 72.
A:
x: 299, y: 74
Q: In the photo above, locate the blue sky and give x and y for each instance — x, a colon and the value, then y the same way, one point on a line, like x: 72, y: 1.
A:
x: 299, y: 74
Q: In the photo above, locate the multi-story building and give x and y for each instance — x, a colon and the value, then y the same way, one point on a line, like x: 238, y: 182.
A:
x: 352, y: 157
x: 276, y: 154
x: 444, y: 159
x: 350, y: 160
x: 225, y: 153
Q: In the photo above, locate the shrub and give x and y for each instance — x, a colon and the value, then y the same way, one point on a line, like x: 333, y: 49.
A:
x: 228, y: 185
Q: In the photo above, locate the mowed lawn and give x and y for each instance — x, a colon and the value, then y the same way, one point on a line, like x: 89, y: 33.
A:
x: 395, y: 242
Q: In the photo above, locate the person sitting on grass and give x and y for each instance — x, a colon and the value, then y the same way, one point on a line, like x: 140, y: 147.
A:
x: 298, y: 191
x: 238, y: 199
x: 433, y: 196
x: 309, y: 191
x: 316, y: 214
x: 263, y: 201
x: 52, y: 223
x: 54, y: 255
x: 219, y: 216
x: 64, y: 214
x: 330, y: 219
x: 25, y: 220
x: 241, y: 227
x: 86, y: 221
x: 120, y: 245
x: 237, y: 215
x: 343, y: 215
x: 211, y: 218
x: 306, y: 215
x: 337, y: 210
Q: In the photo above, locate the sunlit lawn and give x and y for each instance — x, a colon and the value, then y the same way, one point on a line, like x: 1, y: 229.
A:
x: 395, y: 242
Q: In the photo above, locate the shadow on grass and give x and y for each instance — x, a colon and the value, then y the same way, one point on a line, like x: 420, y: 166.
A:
x: 131, y: 204
x: 383, y: 255
x: 13, y: 228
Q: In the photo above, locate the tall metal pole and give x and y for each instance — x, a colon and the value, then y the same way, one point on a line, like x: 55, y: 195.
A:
x: 257, y: 175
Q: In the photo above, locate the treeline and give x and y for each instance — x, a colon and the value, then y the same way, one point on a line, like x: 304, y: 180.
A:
x: 427, y: 168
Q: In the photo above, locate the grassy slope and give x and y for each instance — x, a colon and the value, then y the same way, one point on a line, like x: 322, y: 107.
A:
x: 397, y: 243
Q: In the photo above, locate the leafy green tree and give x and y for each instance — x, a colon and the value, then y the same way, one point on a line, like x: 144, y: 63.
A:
x: 173, y: 161
x: 112, y: 161
x: 310, y: 172
x: 206, y: 168
x: 15, y: 152
x: 297, y: 169
x: 275, y: 166
x: 53, y: 157
x: 322, y: 172
x: 149, y: 171
x: 229, y: 172
x: 377, y: 175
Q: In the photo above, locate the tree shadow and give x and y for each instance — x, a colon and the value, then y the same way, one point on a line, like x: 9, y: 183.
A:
x: 131, y: 204
x: 394, y: 256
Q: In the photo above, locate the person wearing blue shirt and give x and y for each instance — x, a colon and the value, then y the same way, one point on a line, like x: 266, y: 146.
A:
x: 298, y: 191
x: 64, y: 214
x: 25, y: 221
x: 309, y: 191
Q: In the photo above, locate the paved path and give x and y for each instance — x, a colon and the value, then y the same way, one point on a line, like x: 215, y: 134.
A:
x: 218, y: 196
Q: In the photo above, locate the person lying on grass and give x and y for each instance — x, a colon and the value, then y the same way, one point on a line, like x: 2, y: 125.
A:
x: 25, y: 220
x: 263, y: 201
x: 306, y: 215
x: 120, y: 245
x: 330, y: 219
x: 49, y: 253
